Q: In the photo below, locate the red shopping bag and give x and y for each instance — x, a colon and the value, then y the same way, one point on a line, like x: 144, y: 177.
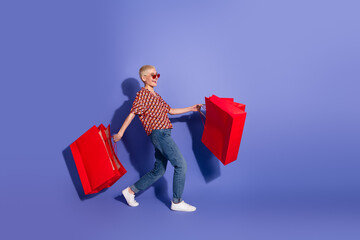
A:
x: 95, y: 159
x: 224, y: 126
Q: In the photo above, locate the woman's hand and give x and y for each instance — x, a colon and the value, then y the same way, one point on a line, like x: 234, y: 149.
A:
x: 117, y: 137
x: 196, y: 108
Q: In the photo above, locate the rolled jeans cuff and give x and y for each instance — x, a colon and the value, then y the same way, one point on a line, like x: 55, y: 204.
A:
x: 177, y: 200
x: 134, y: 189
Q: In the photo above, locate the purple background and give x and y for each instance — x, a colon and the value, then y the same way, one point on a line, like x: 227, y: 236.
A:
x: 69, y: 65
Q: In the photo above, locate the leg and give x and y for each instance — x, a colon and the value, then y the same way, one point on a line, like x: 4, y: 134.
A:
x: 152, y: 176
x: 165, y: 144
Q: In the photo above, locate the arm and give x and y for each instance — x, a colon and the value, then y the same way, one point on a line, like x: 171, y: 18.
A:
x: 174, y: 111
x: 126, y: 123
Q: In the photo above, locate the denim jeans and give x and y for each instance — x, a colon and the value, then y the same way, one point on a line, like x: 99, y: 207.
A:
x: 165, y: 149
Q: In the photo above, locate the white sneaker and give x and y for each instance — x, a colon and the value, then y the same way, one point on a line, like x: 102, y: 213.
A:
x: 182, y: 206
x: 130, y: 198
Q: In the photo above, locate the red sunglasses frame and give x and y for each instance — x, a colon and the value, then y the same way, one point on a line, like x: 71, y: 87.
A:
x: 155, y: 75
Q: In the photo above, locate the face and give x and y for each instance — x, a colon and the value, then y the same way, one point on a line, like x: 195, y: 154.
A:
x: 149, y: 79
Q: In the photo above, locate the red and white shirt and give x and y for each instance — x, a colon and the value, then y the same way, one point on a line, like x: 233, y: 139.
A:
x: 152, y: 111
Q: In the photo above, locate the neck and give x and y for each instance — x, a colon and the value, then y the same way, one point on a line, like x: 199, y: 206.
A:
x: 150, y: 88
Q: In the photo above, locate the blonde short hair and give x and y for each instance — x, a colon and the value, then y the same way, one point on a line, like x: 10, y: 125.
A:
x: 143, y: 70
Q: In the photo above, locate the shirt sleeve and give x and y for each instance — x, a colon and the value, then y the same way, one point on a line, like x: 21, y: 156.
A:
x: 138, y: 106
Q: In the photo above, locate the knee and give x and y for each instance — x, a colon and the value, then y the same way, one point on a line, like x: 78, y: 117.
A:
x: 161, y: 172
x: 158, y: 171
x: 181, y: 166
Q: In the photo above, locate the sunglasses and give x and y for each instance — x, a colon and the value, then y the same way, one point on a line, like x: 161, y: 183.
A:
x: 155, y: 76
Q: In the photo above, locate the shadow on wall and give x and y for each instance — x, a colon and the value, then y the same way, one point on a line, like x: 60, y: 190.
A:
x: 208, y: 164
x: 136, y: 142
x: 70, y: 163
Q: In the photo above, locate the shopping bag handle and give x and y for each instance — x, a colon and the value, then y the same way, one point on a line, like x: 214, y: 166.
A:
x: 115, y: 148
x: 202, y: 115
x: 114, y: 145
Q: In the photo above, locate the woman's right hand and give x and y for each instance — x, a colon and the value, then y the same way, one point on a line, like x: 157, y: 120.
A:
x: 117, y: 137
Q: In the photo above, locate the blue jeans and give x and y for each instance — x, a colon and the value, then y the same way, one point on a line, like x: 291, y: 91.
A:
x: 165, y: 149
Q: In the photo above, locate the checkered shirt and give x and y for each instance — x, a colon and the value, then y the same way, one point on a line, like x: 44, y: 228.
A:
x: 152, y: 111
